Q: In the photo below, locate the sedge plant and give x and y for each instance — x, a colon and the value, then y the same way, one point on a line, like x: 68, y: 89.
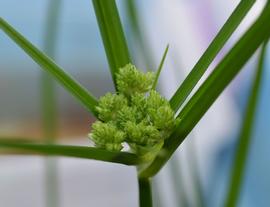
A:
x: 136, y: 114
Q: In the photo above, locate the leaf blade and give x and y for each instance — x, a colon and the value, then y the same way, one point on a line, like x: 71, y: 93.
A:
x: 208, y: 56
x: 245, y: 136
x: 160, y: 67
x: 212, y: 87
x: 112, y: 35
x: 71, y: 151
x: 51, y: 67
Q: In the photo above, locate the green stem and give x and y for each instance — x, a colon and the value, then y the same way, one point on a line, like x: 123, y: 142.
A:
x: 241, y: 155
x: 48, y: 99
x: 49, y: 104
x: 145, y: 192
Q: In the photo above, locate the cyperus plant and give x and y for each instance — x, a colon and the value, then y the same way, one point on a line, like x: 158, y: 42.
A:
x: 138, y: 115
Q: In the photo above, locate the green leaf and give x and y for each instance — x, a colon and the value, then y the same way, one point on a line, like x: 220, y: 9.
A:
x: 70, y: 151
x: 51, y: 67
x: 208, y: 56
x: 212, y: 87
x: 241, y: 153
x: 160, y: 67
x: 112, y: 35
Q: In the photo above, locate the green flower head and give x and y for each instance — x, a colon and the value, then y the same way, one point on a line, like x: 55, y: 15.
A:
x: 109, y: 105
x: 129, y: 80
x: 106, y: 135
x: 136, y: 115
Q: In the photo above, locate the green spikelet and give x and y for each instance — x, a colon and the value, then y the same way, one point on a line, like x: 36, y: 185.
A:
x: 130, y: 80
x: 106, y: 135
x: 109, y: 105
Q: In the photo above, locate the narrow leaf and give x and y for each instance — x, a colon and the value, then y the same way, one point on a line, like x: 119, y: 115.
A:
x: 241, y: 155
x: 51, y: 67
x: 211, y: 52
x: 160, y: 67
x: 212, y: 87
x: 112, y: 35
x: 70, y: 151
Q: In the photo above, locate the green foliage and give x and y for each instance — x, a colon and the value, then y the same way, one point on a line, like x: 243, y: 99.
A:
x: 112, y: 35
x: 210, y: 53
x: 136, y: 115
x: 48, y: 65
x: 212, y: 87
x: 31, y: 148
x: 245, y: 137
x: 141, y: 117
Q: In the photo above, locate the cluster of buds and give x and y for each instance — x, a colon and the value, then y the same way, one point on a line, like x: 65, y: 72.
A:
x: 136, y: 114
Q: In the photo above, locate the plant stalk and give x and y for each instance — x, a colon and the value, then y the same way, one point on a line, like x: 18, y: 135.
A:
x: 49, y: 104
x: 145, y: 192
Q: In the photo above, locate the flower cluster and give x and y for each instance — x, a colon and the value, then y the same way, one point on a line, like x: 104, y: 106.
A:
x: 136, y: 115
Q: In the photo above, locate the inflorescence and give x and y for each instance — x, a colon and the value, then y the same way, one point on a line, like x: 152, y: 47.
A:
x: 136, y: 114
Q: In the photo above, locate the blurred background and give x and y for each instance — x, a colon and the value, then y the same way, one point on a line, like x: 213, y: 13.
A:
x: 198, y: 172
